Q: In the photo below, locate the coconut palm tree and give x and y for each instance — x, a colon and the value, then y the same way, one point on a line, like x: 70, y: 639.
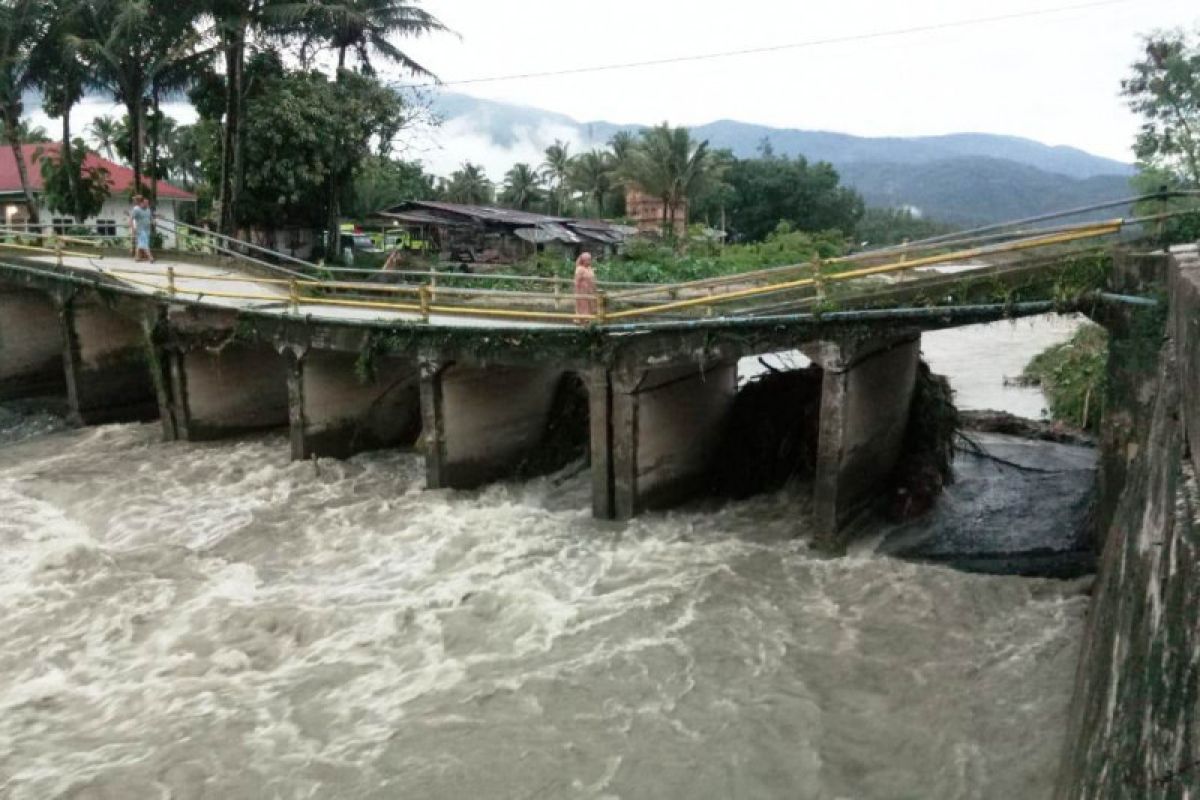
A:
x: 469, y: 184
x: 129, y: 46
x: 522, y: 187
x: 592, y: 174
x: 672, y: 166
x: 622, y: 144
x: 105, y: 131
x: 28, y: 133
x: 23, y: 23
x: 62, y: 77
x: 362, y: 27
x: 555, y: 169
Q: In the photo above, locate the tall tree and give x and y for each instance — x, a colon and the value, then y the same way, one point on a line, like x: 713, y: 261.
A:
x: 522, y: 187
x: 556, y: 168
x: 129, y: 45
x: 592, y: 174
x: 468, y: 184
x: 365, y: 28
x: 672, y: 166
x: 234, y: 23
x: 774, y: 189
x: 61, y: 75
x: 381, y: 182
x: 22, y: 24
x: 1164, y: 89
x: 104, y: 131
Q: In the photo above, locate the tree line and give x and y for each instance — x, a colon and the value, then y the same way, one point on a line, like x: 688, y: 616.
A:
x: 290, y: 104
x: 749, y: 197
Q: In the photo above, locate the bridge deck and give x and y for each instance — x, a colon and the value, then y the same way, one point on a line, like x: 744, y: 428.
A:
x: 207, y: 284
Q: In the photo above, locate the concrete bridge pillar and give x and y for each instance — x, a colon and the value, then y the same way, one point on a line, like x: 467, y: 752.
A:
x: 107, y: 366
x: 654, y: 433
x: 31, y: 345
x: 479, y: 422
x: 336, y: 412
x: 866, y: 395
x: 221, y: 392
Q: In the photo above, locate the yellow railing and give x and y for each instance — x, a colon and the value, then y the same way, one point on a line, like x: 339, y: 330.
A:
x: 427, y: 299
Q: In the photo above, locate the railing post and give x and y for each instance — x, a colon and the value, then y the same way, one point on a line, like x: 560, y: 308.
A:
x: 294, y: 296
x: 601, y: 305
x: 423, y: 293
x: 818, y: 278
x: 171, y: 281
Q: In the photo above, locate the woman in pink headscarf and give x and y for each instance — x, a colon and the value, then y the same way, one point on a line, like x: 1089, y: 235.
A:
x: 585, y: 288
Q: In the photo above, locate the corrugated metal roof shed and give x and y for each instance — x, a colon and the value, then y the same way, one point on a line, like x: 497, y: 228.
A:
x: 524, y: 224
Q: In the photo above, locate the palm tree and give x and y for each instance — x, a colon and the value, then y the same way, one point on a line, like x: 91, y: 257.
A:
x: 623, y: 145
x: 22, y: 24
x: 232, y: 20
x: 469, y: 184
x: 670, y: 165
x: 555, y: 169
x: 28, y: 133
x: 104, y: 131
x: 61, y: 75
x: 522, y: 187
x: 129, y: 46
x: 592, y: 174
x: 365, y: 27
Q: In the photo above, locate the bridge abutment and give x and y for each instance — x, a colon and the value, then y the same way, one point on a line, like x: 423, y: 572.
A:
x: 236, y: 389
x: 654, y: 435
x: 107, y: 370
x: 866, y: 396
x: 479, y: 422
x: 336, y: 411
x: 31, y: 345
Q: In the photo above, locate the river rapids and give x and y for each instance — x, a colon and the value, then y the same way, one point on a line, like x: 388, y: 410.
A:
x: 216, y: 621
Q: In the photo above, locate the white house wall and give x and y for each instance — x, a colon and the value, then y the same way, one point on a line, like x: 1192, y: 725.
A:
x: 116, y: 209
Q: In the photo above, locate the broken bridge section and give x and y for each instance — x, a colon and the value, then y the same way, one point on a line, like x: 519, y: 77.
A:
x: 480, y: 407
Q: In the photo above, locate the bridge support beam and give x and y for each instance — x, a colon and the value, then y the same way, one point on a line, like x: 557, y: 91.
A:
x: 336, y: 412
x: 478, y: 423
x: 31, y: 350
x: 108, y: 376
x: 216, y: 394
x: 866, y: 395
x: 654, y: 433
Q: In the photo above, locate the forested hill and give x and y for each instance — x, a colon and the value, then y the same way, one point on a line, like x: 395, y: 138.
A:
x: 963, y: 178
x: 978, y: 190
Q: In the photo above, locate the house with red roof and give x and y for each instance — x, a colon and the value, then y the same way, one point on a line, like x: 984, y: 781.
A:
x: 113, y: 217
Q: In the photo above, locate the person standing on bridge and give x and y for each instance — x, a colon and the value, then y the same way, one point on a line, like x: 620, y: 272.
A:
x: 585, y: 288
x: 141, y: 218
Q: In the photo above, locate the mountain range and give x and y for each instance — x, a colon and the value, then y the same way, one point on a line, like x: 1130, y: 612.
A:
x: 964, y: 178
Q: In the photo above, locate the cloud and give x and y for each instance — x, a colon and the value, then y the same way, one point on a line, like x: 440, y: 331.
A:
x: 472, y: 138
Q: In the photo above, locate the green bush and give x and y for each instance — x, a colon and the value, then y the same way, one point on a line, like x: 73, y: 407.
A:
x: 1073, y: 376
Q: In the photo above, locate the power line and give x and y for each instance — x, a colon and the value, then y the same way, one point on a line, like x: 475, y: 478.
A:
x: 857, y: 37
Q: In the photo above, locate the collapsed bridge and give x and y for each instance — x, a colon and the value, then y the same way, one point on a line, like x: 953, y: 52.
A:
x: 470, y: 366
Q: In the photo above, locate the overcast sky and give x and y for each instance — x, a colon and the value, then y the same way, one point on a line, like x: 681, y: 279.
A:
x: 1054, y: 78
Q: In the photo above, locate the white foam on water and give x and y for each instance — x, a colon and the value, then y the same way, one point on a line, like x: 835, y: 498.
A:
x: 218, y: 621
